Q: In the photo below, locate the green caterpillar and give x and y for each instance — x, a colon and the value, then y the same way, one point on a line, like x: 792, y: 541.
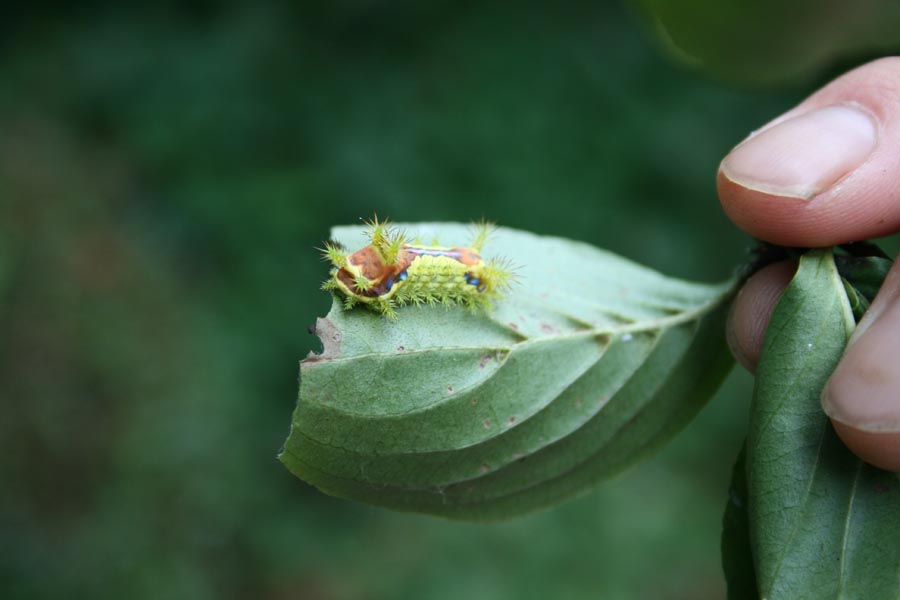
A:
x: 392, y: 272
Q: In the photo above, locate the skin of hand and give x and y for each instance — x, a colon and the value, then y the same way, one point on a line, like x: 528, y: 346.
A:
x: 827, y: 172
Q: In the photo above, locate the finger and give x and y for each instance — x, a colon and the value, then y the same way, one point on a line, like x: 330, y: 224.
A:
x: 752, y: 308
x: 862, y: 396
x: 826, y: 172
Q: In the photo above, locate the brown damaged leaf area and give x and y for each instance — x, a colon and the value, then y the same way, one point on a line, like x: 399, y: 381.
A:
x: 331, y: 338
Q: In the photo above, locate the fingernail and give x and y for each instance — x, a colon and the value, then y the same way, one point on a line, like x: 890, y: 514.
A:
x: 864, y: 390
x: 805, y: 155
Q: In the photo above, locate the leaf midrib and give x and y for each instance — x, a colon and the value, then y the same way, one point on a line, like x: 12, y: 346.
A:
x: 802, y: 510
x: 846, y: 534
x: 639, y: 327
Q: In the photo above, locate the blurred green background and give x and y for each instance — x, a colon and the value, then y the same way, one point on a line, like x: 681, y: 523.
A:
x: 166, y: 170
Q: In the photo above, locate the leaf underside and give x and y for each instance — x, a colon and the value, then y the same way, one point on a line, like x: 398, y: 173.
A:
x: 737, y: 558
x: 589, y: 363
x: 823, y: 524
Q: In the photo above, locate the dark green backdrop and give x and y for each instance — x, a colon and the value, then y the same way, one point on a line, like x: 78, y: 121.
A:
x: 166, y: 171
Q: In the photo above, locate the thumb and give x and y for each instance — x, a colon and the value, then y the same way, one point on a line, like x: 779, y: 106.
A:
x: 863, y: 395
x: 826, y: 172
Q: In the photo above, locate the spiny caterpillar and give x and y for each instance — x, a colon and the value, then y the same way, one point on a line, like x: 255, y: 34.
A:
x: 392, y: 271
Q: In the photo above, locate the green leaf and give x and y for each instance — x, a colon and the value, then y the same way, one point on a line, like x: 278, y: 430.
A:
x: 823, y: 524
x: 737, y: 557
x: 864, y: 273
x: 590, y: 363
x: 768, y: 41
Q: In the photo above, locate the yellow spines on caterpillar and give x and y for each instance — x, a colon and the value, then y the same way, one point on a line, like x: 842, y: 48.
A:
x: 392, y: 272
x: 386, y: 240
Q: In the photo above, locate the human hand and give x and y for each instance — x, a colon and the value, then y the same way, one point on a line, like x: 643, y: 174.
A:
x: 828, y: 172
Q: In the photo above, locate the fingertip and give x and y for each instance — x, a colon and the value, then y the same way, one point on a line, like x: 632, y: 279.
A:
x: 778, y: 219
x: 862, y: 396
x: 881, y: 449
x: 752, y: 309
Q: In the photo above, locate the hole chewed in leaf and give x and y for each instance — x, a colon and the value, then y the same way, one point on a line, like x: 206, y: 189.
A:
x: 331, y: 338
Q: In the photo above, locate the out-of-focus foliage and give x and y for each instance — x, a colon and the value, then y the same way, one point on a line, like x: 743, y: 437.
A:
x: 166, y: 170
x: 771, y: 41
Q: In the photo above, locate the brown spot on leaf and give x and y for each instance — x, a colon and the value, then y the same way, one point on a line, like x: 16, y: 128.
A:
x: 401, y: 348
x: 485, y: 468
x: 450, y: 388
x: 486, y: 423
x: 510, y: 421
x: 484, y: 361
